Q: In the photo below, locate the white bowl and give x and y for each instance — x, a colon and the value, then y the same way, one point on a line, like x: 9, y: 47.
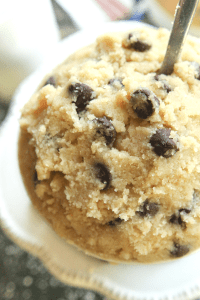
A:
x: 179, y: 279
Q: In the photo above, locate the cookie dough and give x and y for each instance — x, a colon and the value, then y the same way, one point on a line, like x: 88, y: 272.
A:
x: 110, y: 151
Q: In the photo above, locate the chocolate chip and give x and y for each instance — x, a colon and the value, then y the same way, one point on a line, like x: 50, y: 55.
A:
x: 185, y: 210
x: 83, y: 94
x: 115, y: 222
x: 176, y: 218
x: 115, y: 82
x: 137, y: 44
x: 103, y: 174
x: 51, y: 81
x: 104, y: 128
x: 148, y: 209
x: 197, y: 69
x: 162, y: 144
x: 179, y: 250
x: 165, y: 84
x: 35, y: 179
x: 144, y: 102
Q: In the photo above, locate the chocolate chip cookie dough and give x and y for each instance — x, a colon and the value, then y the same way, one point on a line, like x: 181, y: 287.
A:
x: 110, y: 151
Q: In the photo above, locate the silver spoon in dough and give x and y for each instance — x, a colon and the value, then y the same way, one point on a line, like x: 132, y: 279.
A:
x: 185, y: 11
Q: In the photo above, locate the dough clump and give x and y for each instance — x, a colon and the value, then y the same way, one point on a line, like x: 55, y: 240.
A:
x: 110, y: 151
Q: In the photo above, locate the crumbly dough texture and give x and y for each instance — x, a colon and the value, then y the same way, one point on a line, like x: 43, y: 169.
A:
x: 110, y: 151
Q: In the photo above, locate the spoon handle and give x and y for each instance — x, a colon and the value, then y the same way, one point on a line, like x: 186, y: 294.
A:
x: 184, y: 14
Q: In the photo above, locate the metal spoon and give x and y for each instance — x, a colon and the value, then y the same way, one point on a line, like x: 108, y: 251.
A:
x: 185, y: 11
